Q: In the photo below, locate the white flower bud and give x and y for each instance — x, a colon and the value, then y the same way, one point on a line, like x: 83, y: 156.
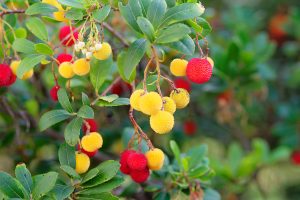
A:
x: 92, y: 49
x: 76, y: 47
x: 98, y: 46
x: 84, y: 51
x: 201, y: 8
x: 81, y: 45
x: 88, y: 54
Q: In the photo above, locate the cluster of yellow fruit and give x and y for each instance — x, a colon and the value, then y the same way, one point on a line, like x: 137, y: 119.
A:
x: 90, y: 144
x: 60, y: 14
x: 80, y: 67
x: 14, y: 65
x: 160, y: 109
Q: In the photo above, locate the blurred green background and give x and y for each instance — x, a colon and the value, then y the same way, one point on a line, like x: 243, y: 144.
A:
x: 248, y: 114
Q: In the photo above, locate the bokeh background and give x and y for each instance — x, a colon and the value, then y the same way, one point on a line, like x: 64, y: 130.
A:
x: 248, y: 114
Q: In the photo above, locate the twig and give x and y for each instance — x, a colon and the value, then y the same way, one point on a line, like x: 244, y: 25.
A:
x: 7, y: 12
x: 116, y: 34
x: 145, y: 74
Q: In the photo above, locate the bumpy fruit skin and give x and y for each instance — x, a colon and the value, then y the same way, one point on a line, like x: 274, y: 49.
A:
x: 82, y: 162
x: 5, y: 74
x: 104, y: 52
x: 66, y: 70
x: 60, y: 16
x: 53, y: 93
x: 295, y: 157
x: 162, y: 122
x: 64, y: 57
x: 92, y: 142
x: 93, y: 125
x: 14, y: 65
x: 120, y: 88
x: 150, y: 103
x: 137, y: 161
x: 81, y: 67
x: 181, y: 97
x: 211, y: 61
x: 169, y: 105
x: 178, y: 67
x: 155, y: 159
x: 182, y: 83
x: 66, y: 37
x: 199, y: 70
x: 140, y: 176
x: 135, y: 99
x: 189, y: 127
x: 124, y: 168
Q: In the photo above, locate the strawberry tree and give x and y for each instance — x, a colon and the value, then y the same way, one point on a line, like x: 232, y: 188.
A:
x: 72, y: 45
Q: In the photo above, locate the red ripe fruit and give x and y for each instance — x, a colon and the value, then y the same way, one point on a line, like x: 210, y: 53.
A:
x: 53, y: 93
x: 199, y: 70
x: 140, y: 176
x: 65, y: 35
x: 89, y: 154
x: 64, y: 57
x: 295, y: 157
x: 276, y: 28
x: 190, y: 127
x: 137, y: 161
x: 7, y: 77
x: 93, y: 125
x: 182, y: 83
x: 124, y: 168
x: 120, y: 88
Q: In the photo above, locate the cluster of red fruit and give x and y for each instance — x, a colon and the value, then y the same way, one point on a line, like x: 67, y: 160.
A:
x: 7, y: 77
x: 138, y: 165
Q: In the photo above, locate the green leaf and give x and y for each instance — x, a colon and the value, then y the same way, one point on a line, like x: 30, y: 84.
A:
x: 129, y: 16
x: 21, y: 32
x: 72, y: 3
x: 100, y: 174
x: 186, y: 45
x: 43, y: 49
x: 52, y: 117
x: 24, y: 46
x: 198, y: 172
x: 121, y: 57
x: 117, y: 102
x: 85, y: 99
x: 180, y: 13
x: 64, y: 100
x: 99, y: 72
x: 202, y: 26
x: 235, y: 155
x: 172, y: 33
x: 37, y: 28
x: 43, y: 184
x: 146, y: 27
x: 62, y: 191
x: 105, y: 187
x: 40, y: 8
x: 10, y: 186
x: 132, y: 57
x: 101, y: 196
x: 74, y: 14
x: 86, y: 112
x: 24, y: 177
x: 101, y: 14
x: 210, y: 194
x: 72, y: 131
x: 66, y: 155
x: 176, y: 151
x: 70, y: 171
x: 145, y: 5
x: 109, y: 98
x: 156, y: 12
x: 150, y: 82
x: 28, y: 63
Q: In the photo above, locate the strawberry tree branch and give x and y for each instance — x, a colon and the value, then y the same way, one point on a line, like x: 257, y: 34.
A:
x: 8, y: 12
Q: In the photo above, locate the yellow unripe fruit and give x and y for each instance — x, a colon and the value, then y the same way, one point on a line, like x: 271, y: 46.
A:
x: 14, y: 65
x: 66, y: 70
x: 155, y: 159
x: 162, y: 122
x: 135, y: 99
x: 92, y: 142
x: 178, y: 67
x: 181, y: 97
x: 210, y: 61
x: 81, y: 67
x: 150, y: 103
x: 169, y: 105
x: 54, y: 3
x: 82, y: 162
x: 104, y: 52
x: 60, y: 16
